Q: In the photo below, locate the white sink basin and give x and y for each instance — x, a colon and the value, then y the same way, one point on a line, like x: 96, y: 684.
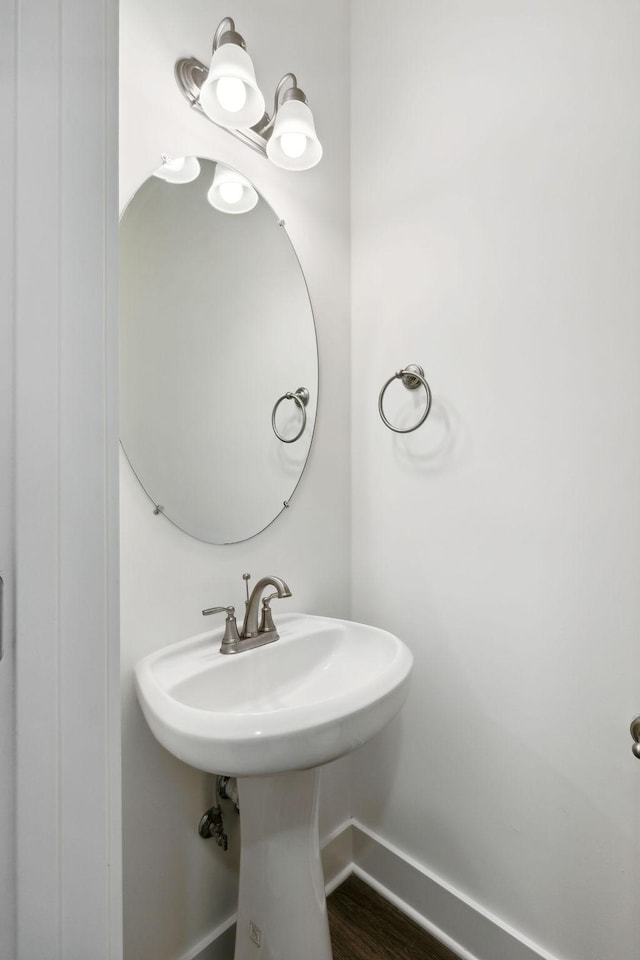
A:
x: 325, y: 687
x: 270, y: 716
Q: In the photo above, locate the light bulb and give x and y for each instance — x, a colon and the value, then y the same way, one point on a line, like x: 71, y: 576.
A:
x: 230, y: 191
x: 293, y: 144
x: 231, y: 93
x: 178, y: 170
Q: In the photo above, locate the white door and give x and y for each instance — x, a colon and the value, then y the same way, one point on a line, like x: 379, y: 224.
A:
x: 7, y: 760
x: 61, y: 285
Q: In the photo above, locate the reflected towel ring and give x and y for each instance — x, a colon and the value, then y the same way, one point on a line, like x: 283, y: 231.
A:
x: 301, y: 399
x: 412, y: 377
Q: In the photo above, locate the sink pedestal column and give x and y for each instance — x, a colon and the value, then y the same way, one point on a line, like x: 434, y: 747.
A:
x: 282, y: 912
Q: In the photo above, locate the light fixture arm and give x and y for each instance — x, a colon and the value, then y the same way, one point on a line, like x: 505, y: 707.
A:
x: 265, y: 126
x: 226, y: 33
x: 280, y: 88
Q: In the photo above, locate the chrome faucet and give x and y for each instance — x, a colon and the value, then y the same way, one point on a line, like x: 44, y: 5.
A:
x: 252, y: 634
x: 250, y: 626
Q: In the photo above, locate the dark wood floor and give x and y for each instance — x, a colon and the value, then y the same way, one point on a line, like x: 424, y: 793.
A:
x: 365, y: 926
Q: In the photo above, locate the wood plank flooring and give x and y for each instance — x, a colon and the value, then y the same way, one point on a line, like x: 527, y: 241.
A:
x: 365, y: 926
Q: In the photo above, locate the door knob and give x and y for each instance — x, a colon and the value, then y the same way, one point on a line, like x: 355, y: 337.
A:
x: 635, y: 733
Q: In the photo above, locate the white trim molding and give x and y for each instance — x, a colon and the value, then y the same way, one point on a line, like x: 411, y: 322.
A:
x: 68, y: 810
x: 466, y: 927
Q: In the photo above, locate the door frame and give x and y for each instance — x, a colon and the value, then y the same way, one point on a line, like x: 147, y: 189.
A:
x: 68, y: 809
x: 7, y: 562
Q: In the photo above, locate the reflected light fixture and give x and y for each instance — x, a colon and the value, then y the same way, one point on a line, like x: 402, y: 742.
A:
x: 230, y: 192
x: 227, y: 93
x: 178, y: 170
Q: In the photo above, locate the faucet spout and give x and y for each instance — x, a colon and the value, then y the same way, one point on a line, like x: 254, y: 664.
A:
x: 250, y: 624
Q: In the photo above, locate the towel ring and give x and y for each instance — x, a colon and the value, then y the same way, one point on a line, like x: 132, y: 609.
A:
x: 412, y: 377
x: 301, y: 399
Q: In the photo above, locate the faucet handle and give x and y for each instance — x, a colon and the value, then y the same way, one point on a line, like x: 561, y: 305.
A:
x: 230, y: 639
x: 230, y: 611
x: 266, y: 618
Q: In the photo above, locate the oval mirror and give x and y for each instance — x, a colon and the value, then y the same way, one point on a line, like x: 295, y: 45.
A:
x: 218, y: 354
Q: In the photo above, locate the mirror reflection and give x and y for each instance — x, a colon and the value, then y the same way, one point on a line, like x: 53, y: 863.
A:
x: 218, y: 354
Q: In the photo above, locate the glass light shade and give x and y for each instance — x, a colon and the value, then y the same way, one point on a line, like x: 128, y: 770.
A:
x: 180, y: 170
x: 286, y: 148
x: 222, y: 98
x: 230, y: 192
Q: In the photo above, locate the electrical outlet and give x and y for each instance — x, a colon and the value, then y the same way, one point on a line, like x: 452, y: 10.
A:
x: 255, y: 934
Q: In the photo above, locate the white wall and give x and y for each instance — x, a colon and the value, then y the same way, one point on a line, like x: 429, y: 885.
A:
x: 177, y: 887
x: 495, y: 229
x: 496, y: 215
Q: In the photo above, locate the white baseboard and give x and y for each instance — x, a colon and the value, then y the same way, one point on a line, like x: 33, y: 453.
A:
x: 463, y: 925
x: 336, y: 851
x: 218, y: 945
x: 472, y: 932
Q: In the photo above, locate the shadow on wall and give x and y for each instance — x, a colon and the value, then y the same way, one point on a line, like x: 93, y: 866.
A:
x: 438, y: 444
x: 385, y: 748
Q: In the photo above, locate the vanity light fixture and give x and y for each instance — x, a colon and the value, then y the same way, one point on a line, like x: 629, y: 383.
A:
x: 230, y: 192
x: 293, y: 143
x: 228, y: 95
x: 179, y: 170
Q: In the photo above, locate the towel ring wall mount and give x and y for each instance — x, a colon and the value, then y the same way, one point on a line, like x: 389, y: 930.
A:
x: 412, y: 377
x: 301, y: 399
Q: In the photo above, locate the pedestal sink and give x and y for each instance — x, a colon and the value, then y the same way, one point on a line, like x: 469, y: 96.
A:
x: 270, y: 717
